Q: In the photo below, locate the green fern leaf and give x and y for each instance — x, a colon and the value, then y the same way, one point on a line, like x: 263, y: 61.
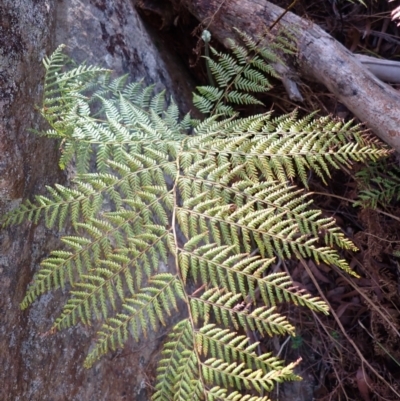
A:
x: 228, y: 308
x: 142, y: 310
x: 212, y: 200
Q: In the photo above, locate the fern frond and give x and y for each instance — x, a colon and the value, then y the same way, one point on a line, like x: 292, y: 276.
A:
x: 216, y: 194
x: 236, y: 75
x: 288, y: 148
x: 140, y: 250
x: 178, y: 370
x: 144, y: 309
x: 97, y: 287
x: 242, y: 274
x: 236, y: 375
x: 229, y: 346
x: 82, y: 202
x: 228, y: 308
x: 221, y: 394
x: 64, y: 89
x: 379, y: 183
x: 189, y: 386
x: 272, y: 231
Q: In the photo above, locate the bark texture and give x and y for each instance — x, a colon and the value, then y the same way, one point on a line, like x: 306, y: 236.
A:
x: 106, y: 32
x: 319, y: 57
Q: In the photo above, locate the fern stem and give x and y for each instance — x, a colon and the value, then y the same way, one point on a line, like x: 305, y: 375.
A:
x: 392, y: 216
x: 174, y: 224
x: 207, y: 54
x: 343, y: 330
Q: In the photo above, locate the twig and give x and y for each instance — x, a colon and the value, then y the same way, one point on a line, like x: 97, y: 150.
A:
x: 352, y: 201
x: 343, y: 330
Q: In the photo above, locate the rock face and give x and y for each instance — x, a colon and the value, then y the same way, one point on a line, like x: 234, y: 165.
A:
x: 107, y: 33
x: 110, y: 33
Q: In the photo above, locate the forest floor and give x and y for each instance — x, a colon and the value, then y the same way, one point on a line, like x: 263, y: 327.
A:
x: 354, y: 353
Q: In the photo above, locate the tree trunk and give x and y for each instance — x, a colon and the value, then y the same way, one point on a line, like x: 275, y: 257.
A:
x: 319, y: 57
x: 103, y: 32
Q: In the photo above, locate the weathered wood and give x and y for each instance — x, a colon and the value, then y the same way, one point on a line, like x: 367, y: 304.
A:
x: 319, y: 57
x: 385, y: 70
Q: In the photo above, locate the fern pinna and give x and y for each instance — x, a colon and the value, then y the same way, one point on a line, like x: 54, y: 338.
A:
x: 216, y: 194
x: 379, y: 184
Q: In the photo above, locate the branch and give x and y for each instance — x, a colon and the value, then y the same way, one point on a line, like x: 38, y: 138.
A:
x: 320, y: 58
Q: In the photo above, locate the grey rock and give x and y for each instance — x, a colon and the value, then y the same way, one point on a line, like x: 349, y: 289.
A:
x: 107, y: 33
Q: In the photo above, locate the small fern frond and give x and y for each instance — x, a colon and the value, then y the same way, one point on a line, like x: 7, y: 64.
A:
x: 229, y: 308
x: 288, y: 148
x: 281, y: 42
x: 221, y: 394
x: 178, y: 372
x: 379, y: 184
x: 236, y: 375
x: 243, y: 274
x: 143, y: 310
x: 237, y: 75
x: 229, y: 346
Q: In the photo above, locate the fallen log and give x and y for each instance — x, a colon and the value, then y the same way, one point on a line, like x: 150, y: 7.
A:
x: 319, y: 57
x: 385, y: 70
